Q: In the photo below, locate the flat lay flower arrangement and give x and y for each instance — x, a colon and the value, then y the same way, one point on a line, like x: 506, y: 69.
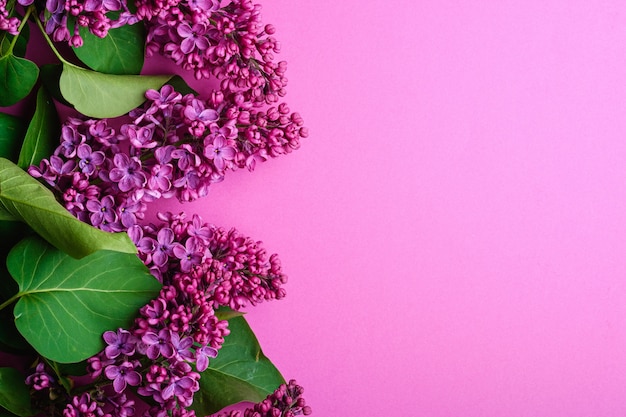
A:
x: 101, y: 312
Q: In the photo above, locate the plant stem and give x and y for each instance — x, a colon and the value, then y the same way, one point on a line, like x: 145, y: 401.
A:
x: 19, y: 29
x: 9, y: 301
x: 51, y: 45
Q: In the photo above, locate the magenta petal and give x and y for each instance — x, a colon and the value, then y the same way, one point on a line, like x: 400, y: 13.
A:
x: 179, y: 251
x: 110, y: 337
x: 116, y: 174
x: 187, y: 45
x: 119, y: 384
x: 159, y: 258
x: 202, y: 43
x: 167, y: 351
x: 111, y: 372
x: 168, y: 392
x: 219, y: 163
x: 152, y: 352
x: 133, y: 378
x: 184, y: 30
x: 150, y: 338
x: 228, y: 153
x: 126, y: 184
x: 209, y: 115
x: 165, y: 236
x: 202, y: 363
x: 219, y: 142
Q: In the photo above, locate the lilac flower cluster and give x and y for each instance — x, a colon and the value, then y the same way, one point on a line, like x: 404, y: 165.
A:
x: 229, y: 43
x: 201, y: 267
x: 8, y: 23
x: 99, y: 404
x: 286, y: 401
x: 228, y: 268
x: 175, y: 145
x: 59, y: 16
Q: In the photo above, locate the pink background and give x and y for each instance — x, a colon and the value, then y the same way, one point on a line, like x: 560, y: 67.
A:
x: 454, y: 228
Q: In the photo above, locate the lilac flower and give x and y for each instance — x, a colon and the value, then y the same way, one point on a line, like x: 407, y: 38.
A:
x: 127, y: 173
x: 128, y: 212
x: 123, y: 407
x: 204, y: 5
x: 70, y: 139
x: 121, y: 342
x: 60, y: 168
x: 102, y: 211
x: 158, y: 344
x: 141, y: 138
x: 103, y: 133
x: 193, y: 37
x: 189, y: 255
x: 165, y: 97
x: 195, y: 110
x: 183, y: 388
x: 199, y: 230
x: 95, y: 5
x: 160, y: 178
x: 202, y: 357
x: 164, y: 246
x: 89, y: 160
x: 182, y: 347
x: 40, y: 379
x: 82, y: 405
x: 219, y: 151
x: 187, y: 159
x: 153, y: 390
x: 122, y: 375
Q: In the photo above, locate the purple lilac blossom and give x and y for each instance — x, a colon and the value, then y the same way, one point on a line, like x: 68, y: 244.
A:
x: 286, y: 401
x: 89, y: 165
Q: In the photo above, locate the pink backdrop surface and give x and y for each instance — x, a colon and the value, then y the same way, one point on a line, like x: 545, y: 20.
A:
x: 454, y: 227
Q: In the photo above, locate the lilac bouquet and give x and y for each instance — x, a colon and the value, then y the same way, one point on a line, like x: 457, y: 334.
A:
x: 101, y: 312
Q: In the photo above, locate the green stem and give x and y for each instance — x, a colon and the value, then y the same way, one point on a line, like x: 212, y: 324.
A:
x: 19, y: 29
x: 51, y: 45
x: 9, y: 301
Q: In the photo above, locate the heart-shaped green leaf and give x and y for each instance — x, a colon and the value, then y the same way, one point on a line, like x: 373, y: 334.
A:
x: 104, y: 95
x: 25, y: 199
x: 241, y: 372
x: 17, y: 78
x: 65, y: 305
x: 14, y: 394
x: 43, y: 132
x: 121, y: 51
x: 11, y: 134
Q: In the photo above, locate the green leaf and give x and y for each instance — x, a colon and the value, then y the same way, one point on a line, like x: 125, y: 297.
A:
x: 14, y: 394
x: 241, y: 372
x: 104, y: 95
x: 43, y: 132
x: 19, y: 49
x: 11, y: 134
x: 66, y: 304
x: 24, y: 198
x: 17, y: 78
x: 70, y: 369
x: 181, y: 85
x: 226, y: 313
x: 120, y: 52
x: 50, y: 75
